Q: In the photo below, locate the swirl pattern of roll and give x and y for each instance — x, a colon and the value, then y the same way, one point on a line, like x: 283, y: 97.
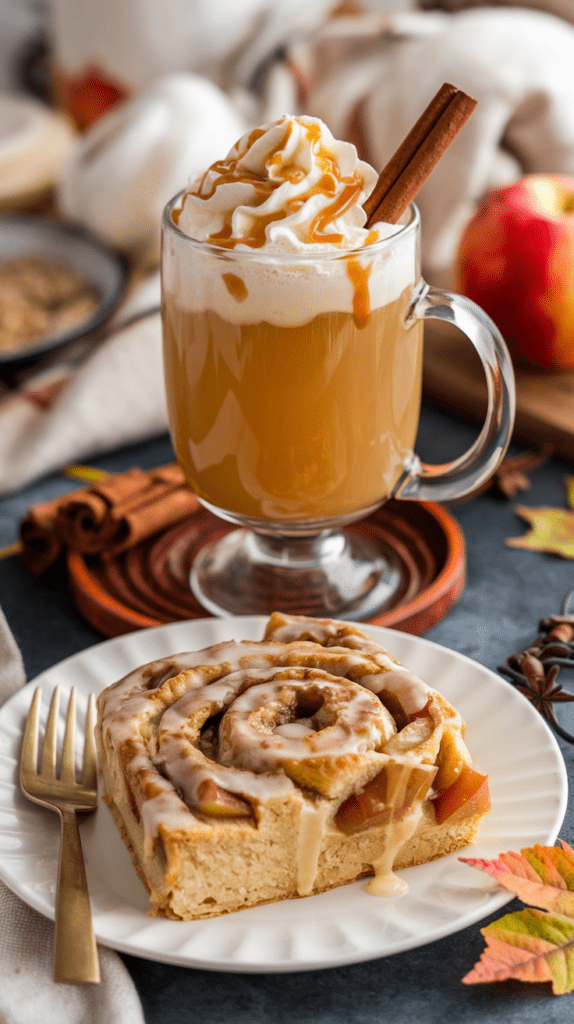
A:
x: 256, y: 771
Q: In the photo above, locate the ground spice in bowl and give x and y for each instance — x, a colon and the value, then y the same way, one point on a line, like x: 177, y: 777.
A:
x: 41, y: 298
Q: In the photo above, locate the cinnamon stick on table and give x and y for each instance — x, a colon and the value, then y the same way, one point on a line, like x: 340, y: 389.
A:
x: 418, y: 154
x: 108, y: 517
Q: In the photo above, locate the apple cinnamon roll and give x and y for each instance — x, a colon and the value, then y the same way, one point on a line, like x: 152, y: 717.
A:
x: 257, y: 771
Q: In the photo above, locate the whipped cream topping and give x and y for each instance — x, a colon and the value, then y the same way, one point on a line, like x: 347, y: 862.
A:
x: 289, y: 186
x: 285, y: 190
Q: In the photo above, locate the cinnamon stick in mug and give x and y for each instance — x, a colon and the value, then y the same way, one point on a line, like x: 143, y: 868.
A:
x: 418, y: 154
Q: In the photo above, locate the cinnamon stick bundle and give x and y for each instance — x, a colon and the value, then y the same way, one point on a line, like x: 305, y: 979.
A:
x: 418, y: 155
x: 40, y: 545
x: 108, y: 517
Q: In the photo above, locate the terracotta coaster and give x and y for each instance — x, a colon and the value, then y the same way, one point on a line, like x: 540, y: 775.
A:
x: 148, y: 585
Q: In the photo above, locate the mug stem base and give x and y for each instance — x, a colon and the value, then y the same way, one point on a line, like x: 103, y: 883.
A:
x: 331, y: 574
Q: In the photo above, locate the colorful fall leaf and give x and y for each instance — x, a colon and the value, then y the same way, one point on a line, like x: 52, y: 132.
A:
x: 531, y: 944
x: 551, y: 529
x: 542, y: 876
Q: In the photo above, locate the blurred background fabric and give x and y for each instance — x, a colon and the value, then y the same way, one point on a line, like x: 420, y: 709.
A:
x: 178, y: 81
x: 367, y: 69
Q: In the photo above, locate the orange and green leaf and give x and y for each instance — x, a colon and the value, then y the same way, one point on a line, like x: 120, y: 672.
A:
x: 531, y: 944
x: 542, y: 876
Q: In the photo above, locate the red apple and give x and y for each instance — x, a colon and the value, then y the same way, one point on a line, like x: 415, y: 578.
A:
x: 88, y: 95
x: 516, y: 260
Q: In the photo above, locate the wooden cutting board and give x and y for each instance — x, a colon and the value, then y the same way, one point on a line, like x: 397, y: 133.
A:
x: 453, y: 378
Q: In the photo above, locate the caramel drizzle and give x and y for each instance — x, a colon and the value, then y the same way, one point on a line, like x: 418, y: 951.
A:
x: 227, y: 172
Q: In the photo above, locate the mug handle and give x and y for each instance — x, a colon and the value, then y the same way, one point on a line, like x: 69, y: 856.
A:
x: 455, y: 479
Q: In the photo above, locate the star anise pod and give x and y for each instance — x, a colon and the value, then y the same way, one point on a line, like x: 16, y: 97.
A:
x: 511, y: 476
x: 534, y: 672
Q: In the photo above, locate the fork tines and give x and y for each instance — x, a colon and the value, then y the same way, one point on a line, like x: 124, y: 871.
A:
x: 48, y: 766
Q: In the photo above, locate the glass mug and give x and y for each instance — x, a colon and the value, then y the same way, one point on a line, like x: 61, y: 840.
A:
x: 294, y: 388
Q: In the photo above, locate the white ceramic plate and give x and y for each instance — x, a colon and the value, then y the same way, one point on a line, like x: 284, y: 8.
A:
x: 506, y: 736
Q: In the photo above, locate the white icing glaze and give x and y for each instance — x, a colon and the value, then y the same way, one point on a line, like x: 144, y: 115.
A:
x: 114, y: 697
x: 165, y: 808
x: 402, y: 822
x: 293, y: 729
x: 412, y: 693
x: 349, y: 721
x: 206, y: 679
x: 386, y: 884
x: 311, y: 832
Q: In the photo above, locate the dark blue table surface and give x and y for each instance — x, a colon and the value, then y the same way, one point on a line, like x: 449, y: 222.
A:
x: 507, y: 592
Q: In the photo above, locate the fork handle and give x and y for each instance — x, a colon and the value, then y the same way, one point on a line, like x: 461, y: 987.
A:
x: 76, y: 955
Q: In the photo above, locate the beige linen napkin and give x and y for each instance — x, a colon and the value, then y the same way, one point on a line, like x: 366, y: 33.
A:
x: 27, y: 989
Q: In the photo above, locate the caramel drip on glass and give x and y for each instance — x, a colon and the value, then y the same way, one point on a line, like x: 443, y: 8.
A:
x: 359, y: 276
x: 236, y: 287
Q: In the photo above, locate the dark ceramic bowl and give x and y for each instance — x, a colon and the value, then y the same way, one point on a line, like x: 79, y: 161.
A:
x: 104, y: 269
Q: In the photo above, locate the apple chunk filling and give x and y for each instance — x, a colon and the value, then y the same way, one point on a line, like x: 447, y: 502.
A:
x: 386, y: 797
x: 217, y: 802
x: 469, y: 791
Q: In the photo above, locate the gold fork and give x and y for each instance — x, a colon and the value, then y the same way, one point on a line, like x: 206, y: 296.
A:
x: 76, y: 956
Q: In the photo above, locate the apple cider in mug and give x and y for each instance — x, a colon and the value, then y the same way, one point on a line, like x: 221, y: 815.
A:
x: 293, y: 373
